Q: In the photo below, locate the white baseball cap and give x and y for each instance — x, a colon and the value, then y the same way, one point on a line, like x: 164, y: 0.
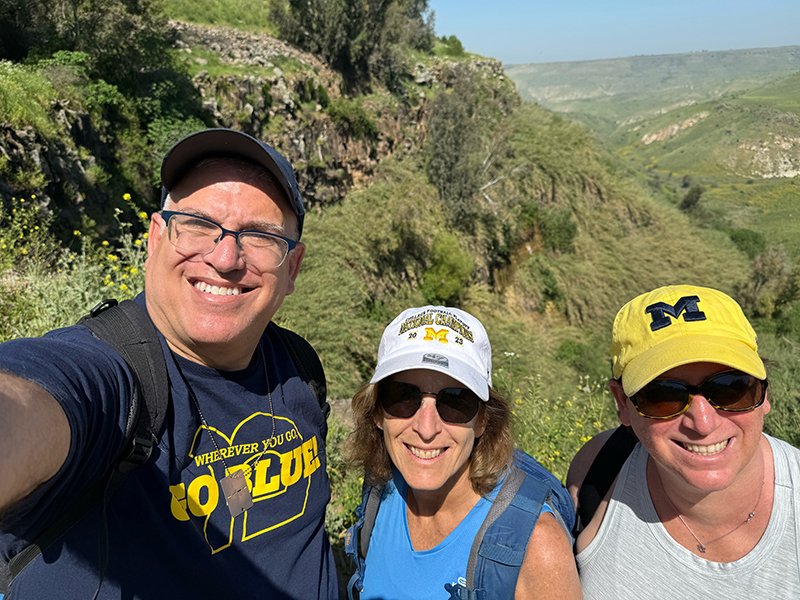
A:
x: 437, y: 338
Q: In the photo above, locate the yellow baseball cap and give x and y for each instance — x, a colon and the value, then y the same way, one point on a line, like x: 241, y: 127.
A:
x: 677, y: 325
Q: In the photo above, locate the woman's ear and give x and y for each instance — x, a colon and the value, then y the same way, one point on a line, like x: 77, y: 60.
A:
x: 482, y: 421
x: 623, y: 404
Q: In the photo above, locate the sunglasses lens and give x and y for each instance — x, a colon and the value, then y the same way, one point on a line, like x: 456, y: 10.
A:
x: 457, y: 405
x: 661, y: 399
x: 402, y: 400
x: 399, y: 399
x: 733, y: 391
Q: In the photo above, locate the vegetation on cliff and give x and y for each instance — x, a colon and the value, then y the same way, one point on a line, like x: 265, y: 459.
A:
x: 427, y: 179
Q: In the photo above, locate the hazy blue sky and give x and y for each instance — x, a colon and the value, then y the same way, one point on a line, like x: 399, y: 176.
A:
x: 561, y: 30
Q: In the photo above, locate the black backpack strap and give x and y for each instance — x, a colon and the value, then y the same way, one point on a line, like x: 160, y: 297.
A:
x: 128, y: 329
x: 601, y: 475
x: 309, y: 367
x: 370, y: 514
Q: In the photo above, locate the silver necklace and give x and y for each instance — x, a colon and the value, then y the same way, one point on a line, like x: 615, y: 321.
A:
x: 700, y: 545
x: 234, y: 485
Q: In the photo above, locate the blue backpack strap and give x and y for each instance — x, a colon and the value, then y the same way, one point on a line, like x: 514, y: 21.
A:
x: 499, y: 548
x: 356, y: 542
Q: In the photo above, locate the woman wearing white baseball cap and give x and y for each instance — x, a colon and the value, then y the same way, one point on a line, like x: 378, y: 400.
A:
x: 449, y: 509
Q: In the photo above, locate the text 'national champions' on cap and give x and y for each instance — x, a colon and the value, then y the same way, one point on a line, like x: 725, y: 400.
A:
x: 438, y: 338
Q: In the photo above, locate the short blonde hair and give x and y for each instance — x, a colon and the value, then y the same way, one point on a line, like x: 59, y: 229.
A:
x: 491, y: 455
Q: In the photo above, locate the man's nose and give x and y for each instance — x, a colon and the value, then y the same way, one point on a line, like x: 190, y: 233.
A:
x: 227, y: 255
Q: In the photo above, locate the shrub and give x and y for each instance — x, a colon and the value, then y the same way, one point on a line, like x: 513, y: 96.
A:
x: 445, y: 281
x: 752, y: 243
x: 692, y: 197
x: 350, y: 114
x: 450, y: 46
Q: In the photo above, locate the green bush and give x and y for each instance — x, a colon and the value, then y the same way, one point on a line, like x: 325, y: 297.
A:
x: 557, y: 228
x: 752, y: 243
x: 450, y: 46
x: 692, y: 197
x: 445, y: 281
x: 350, y: 114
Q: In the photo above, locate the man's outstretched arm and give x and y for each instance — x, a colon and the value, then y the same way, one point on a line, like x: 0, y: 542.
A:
x: 34, y: 438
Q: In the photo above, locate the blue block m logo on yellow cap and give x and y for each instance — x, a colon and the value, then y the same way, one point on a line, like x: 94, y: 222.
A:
x: 687, y: 303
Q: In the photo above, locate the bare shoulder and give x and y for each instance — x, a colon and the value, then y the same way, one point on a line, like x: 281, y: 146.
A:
x: 583, y: 461
x: 34, y: 437
x: 548, y: 570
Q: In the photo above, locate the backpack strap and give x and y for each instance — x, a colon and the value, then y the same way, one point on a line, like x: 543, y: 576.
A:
x: 601, y: 474
x: 128, y: 329
x: 356, y: 542
x: 499, y: 547
x: 309, y: 367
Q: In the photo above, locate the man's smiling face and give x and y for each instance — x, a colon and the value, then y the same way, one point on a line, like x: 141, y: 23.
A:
x: 213, y: 307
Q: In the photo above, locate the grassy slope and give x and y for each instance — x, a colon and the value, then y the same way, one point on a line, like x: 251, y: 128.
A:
x: 711, y: 153
x: 625, y: 245
x: 248, y: 16
x: 618, y: 89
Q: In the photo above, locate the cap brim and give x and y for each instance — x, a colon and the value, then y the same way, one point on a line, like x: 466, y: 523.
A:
x: 212, y: 143
x: 459, y: 370
x: 683, y: 350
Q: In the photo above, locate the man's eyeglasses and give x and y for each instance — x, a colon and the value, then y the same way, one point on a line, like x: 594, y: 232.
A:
x: 402, y: 400
x: 731, y: 391
x: 201, y: 235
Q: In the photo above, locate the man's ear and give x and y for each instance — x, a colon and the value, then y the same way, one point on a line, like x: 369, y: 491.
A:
x: 295, y: 258
x: 623, y: 402
x: 157, y: 227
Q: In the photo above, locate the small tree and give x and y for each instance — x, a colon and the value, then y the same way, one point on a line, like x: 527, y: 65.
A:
x: 692, y: 197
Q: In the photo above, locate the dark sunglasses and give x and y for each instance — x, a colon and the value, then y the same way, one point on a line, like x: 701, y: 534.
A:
x: 402, y: 400
x: 731, y: 391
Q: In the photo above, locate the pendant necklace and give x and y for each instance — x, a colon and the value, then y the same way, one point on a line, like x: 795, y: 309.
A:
x: 700, y: 545
x: 234, y: 485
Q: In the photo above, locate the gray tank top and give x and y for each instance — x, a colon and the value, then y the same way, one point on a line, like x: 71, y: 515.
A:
x: 632, y: 556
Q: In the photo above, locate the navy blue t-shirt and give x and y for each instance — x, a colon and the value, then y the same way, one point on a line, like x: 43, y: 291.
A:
x: 170, y: 533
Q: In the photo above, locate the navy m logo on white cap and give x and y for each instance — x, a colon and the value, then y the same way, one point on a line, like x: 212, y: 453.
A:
x: 687, y: 304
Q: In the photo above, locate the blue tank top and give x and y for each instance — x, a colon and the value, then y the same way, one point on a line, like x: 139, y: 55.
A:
x: 395, y: 571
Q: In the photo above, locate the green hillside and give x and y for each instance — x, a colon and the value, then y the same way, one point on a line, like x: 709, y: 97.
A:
x: 743, y: 149
x: 613, y: 92
x: 427, y: 179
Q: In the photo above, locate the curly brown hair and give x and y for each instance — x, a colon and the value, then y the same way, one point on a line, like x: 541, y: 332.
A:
x: 491, y: 455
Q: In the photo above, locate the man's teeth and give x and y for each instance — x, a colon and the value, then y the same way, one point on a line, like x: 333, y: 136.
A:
x: 217, y: 290
x: 425, y: 453
x: 706, y: 450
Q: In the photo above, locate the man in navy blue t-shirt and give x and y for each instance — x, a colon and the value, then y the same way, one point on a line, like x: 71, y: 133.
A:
x: 222, y: 255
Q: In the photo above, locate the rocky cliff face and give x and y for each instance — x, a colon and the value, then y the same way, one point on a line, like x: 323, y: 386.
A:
x: 268, y: 89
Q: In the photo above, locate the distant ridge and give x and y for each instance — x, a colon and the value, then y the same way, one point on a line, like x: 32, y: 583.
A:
x: 649, y: 84
x: 768, y: 49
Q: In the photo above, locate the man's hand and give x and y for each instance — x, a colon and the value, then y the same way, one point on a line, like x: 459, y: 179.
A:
x: 34, y: 438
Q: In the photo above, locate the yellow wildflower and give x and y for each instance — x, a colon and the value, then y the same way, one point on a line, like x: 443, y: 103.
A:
x: 138, y: 242
x: 76, y: 232
x: 143, y: 215
x: 123, y: 287
x: 134, y: 271
x: 105, y: 243
x: 126, y: 196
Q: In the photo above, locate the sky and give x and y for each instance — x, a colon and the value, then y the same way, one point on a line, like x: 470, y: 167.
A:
x: 515, y: 31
